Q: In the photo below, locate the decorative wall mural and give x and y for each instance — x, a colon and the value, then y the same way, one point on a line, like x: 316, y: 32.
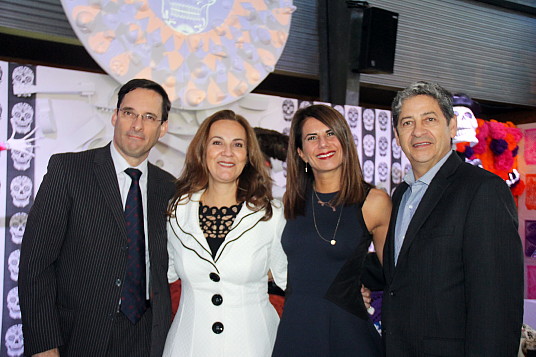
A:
x: 206, y: 53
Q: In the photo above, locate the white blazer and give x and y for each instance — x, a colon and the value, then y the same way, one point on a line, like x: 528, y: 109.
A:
x: 224, y: 309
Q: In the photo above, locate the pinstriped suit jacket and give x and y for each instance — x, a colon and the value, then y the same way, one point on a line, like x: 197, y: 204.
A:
x: 73, y: 256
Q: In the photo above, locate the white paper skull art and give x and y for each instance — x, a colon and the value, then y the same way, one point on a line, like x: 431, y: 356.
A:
x: 383, y: 145
x: 396, y: 173
x: 187, y: 16
x: 22, y: 159
x: 353, y: 117
x: 383, y: 120
x: 13, y: 264
x: 15, y: 341
x: 368, y: 171
x: 396, y: 150
x: 466, y: 126
x: 339, y: 108
x: 17, y: 225
x: 21, y: 190
x: 356, y: 140
x: 368, y: 145
x: 407, y: 168
x: 289, y: 109
x: 13, y: 303
x: 286, y: 131
x: 368, y: 119
x: 22, y: 118
x: 305, y: 104
x: 22, y: 76
x: 383, y: 171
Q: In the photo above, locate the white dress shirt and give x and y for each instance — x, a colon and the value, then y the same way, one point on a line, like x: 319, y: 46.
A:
x: 124, y: 182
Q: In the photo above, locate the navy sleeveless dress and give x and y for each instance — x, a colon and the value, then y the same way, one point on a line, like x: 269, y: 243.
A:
x: 312, y: 325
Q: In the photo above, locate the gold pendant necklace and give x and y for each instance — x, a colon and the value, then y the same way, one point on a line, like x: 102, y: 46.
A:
x: 322, y: 203
x: 332, y: 241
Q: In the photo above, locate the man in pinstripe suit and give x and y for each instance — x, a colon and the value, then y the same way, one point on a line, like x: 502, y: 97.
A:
x: 74, y: 251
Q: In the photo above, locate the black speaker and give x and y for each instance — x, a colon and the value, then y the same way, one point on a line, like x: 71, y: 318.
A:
x: 378, y: 41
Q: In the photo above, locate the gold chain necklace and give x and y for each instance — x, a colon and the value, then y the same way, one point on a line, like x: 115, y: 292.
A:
x: 322, y: 203
x: 332, y: 241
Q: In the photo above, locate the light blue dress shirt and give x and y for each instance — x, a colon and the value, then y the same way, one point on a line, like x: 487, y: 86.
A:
x: 410, y: 201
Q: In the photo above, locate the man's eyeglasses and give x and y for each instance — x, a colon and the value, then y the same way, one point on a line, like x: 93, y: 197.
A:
x: 146, y: 118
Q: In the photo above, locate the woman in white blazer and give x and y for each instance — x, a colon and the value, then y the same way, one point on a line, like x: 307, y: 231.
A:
x: 223, y: 237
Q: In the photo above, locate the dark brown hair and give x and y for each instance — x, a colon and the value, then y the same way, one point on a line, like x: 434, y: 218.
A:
x: 254, y: 183
x: 352, y: 187
x: 145, y: 84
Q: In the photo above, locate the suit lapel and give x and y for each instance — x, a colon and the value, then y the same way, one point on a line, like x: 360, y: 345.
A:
x: 193, y: 238
x: 433, y: 195
x: 188, y: 229
x: 106, y: 178
x: 155, y: 216
x: 244, y: 221
x: 389, y: 251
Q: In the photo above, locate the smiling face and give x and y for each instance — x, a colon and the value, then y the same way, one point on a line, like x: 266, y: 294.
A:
x: 133, y: 139
x: 320, y: 148
x: 423, y: 133
x: 226, y: 153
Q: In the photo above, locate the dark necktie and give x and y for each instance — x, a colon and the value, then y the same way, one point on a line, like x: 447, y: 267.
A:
x: 133, y: 303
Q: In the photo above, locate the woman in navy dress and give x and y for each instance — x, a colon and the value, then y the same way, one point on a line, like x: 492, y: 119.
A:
x: 332, y: 216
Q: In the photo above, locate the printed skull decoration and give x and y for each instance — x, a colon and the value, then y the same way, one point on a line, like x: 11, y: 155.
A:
x: 383, y: 146
x: 17, y: 225
x: 368, y: 145
x: 22, y: 159
x: 466, y: 126
x: 13, y: 303
x: 15, y: 341
x: 396, y: 173
x: 288, y: 108
x: 22, y: 76
x: 383, y: 171
x: 13, y: 264
x: 22, y: 117
x: 305, y: 104
x: 356, y: 140
x: 383, y: 120
x: 396, y: 150
x: 21, y: 190
x: 286, y: 131
x: 407, y: 168
x: 368, y: 171
x: 339, y: 108
x: 187, y: 16
x: 353, y: 117
x: 368, y: 119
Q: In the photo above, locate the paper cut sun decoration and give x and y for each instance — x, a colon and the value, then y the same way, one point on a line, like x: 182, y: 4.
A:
x: 206, y: 53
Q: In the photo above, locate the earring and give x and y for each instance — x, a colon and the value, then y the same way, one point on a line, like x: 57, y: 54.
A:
x: 305, y: 167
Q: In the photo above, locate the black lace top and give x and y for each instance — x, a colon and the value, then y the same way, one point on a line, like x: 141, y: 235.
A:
x: 216, y: 222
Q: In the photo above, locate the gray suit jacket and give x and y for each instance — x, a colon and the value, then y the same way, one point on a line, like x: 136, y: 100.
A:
x: 73, y: 256
x: 457, y: 289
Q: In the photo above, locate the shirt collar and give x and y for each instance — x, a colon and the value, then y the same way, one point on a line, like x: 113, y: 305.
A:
x: 428, y: 176
x: 121, y: 164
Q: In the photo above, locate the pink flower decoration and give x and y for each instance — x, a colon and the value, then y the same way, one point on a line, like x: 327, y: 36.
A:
x: 497, y: 130
x: 504, y: 161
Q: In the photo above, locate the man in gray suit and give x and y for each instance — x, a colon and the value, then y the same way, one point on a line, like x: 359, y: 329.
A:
x: 452, y: 259
x: 75, y: 251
